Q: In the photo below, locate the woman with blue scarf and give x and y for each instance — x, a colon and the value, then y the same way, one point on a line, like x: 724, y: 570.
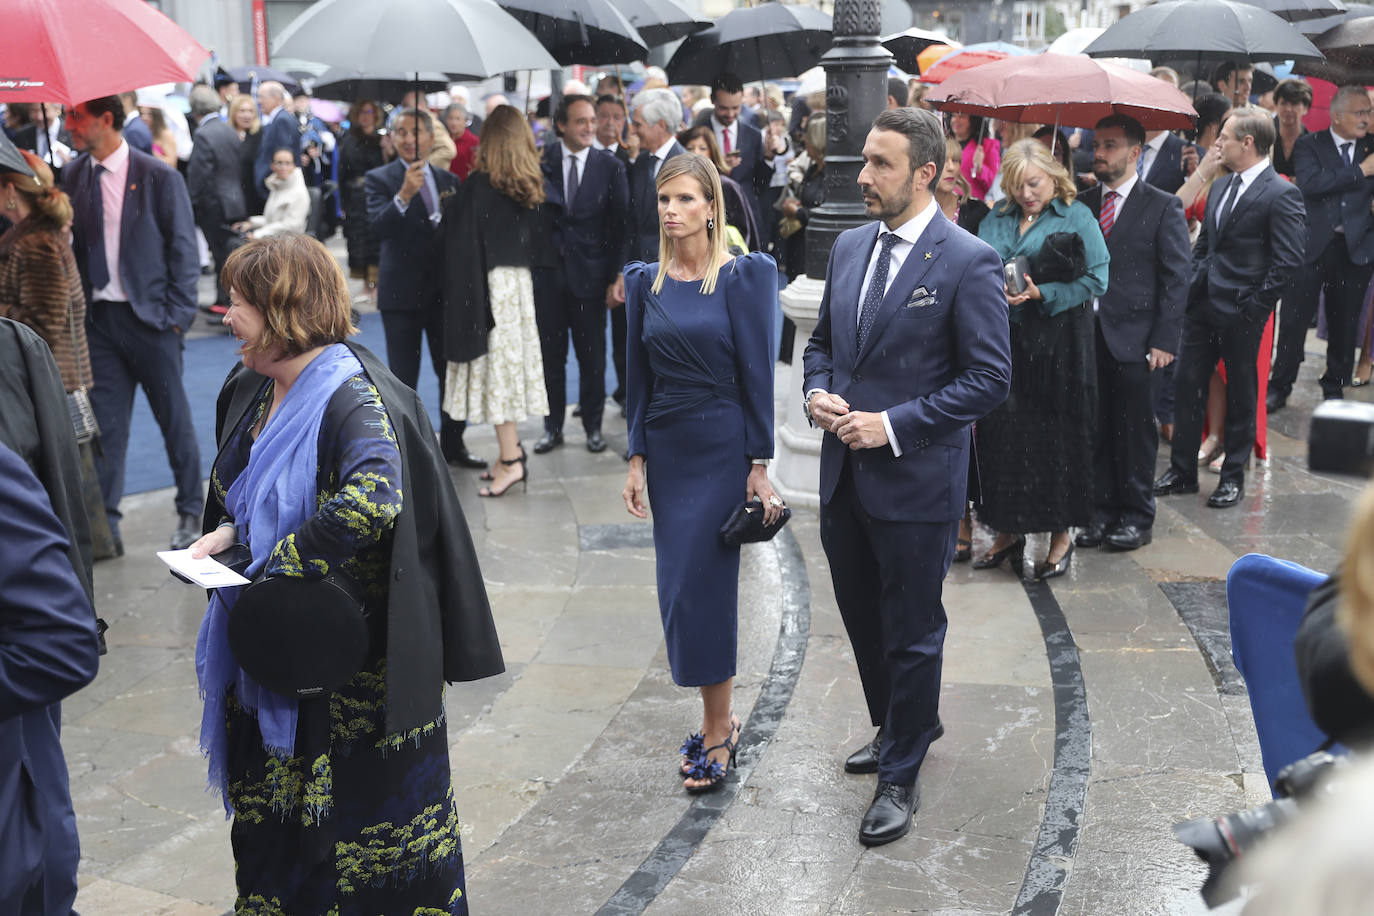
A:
x: 341, y: 803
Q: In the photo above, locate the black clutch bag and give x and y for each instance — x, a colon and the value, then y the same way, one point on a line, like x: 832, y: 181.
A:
x: 300, y: 637
x: 1061, y: 259
x: 745, y: 524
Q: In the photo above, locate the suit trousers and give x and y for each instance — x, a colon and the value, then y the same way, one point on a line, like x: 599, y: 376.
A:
x: 127, y: 354
x: 1203, y: 343
x: 558, y: 312
x: 1343, y: 283
x: 888, y: 578
x: 1127, y: 441
x: 403, y: 329
x: 221, y: 240
x: 619, y: 333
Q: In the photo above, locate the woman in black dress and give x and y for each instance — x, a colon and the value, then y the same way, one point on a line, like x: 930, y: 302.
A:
x: 1035, y: 451
x: 243, y: 117
x: 360, y: 151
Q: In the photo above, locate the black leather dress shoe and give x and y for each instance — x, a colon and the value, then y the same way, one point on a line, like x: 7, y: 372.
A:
x: 186, y: 533
x: 595, y: 443
x: 889, y: 816
x: 460, y: 456
x: 865, y: 759
x: 1274, y: 401
x: 1226, y: 495
x: 1171, y: 483
x: 1126, y: 537
x: 547, y: 443
x: 1090, y: 536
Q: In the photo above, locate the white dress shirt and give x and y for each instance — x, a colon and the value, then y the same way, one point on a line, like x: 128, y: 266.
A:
x: 1149, y: 155
x: 569, y: 157
x: 721, y: 131
x: 112, y: 183
x: 597, y: 144
x: 908, y: 234
x: 1247, y: 178
x: 661, y: 154
x: 1342, y: 141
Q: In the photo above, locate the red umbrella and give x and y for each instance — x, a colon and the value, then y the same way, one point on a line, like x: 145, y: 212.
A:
x: 69, y: 51
x: 1068, y: 90
x: 946, y: 67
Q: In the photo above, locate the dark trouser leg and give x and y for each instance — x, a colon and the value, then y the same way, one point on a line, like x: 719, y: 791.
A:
x: 1240, y: 350
x: 157, y: 366
x: 1106, y: 499
x: 217, y: 237
x: 450, y: 430
x: 1345, y: 288
x: 587, y: 321
x: 112, y: 399
x: 1162, y: 386
x: 1295, y: 319
x: 403, y: 330
x: 618, y: 335
x: 1197, y: 358
x: 1128, y: 442
x: 552, y: 303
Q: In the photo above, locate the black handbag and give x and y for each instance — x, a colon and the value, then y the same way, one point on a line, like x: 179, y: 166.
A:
x: 1062, y: 259
x: 300, y: 637
x: 745, y: 524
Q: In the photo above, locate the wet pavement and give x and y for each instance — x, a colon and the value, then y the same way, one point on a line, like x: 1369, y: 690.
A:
x: 1082, y: 719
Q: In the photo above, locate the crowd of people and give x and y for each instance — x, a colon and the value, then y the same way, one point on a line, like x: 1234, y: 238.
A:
x: 1030, y: 312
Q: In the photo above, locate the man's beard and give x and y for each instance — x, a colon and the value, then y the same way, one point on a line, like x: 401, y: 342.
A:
x: 889, y: 209
x: 1106, y: 174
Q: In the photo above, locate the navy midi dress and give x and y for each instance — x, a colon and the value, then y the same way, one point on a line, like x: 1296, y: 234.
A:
x: 699, y: 399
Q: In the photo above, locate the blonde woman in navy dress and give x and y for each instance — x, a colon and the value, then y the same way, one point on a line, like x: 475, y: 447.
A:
x: 700, y: 408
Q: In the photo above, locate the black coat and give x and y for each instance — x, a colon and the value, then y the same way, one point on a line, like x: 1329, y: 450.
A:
x: 1335, y: 194
x: 439, y: 623
x: 1166, y: 171
x: 482, y: 229
x: 214, y: 174
x: 1147, y: 281
x: 592, y: 231
x: 644, y: 205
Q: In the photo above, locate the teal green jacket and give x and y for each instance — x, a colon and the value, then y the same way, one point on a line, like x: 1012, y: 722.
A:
x: 999, y: 230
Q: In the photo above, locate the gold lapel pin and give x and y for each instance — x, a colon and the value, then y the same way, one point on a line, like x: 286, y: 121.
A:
x: 929, y: 255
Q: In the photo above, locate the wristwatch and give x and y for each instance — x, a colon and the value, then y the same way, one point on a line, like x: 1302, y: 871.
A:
x: 762, y: 461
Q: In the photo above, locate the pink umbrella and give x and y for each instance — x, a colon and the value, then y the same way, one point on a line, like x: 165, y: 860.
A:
x: 1066, y: 90
x: 326, y: 111
x: 959, y: 62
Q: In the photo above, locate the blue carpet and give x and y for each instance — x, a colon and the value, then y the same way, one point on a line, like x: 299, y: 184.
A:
x: 207, y: 362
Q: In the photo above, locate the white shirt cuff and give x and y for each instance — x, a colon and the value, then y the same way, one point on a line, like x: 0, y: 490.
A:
x: 403, y: 207
x: 891, y: 436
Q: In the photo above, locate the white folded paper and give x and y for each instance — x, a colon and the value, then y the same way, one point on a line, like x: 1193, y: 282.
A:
x: 205, y: 572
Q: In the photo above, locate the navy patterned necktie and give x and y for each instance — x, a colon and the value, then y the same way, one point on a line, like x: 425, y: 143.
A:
x: 97, y: 268
x: 877, y: 287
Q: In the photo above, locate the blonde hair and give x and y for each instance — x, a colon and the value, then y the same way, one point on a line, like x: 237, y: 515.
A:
x: 298, y: 287
x: 708, y: 179
x: 1024, y: 154
x: 238, y: 102
x: 1355, y: 612
x: 507, y: 154
x: 954, y: 152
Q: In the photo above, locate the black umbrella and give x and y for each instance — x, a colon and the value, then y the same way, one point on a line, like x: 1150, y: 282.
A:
x: 350, y: 85
x: 768, y: 41
x: 1349, y: 50
x: 11, y: 160
x: 467, y: 39
x: 660, y: 21
x: 1203, y: 30
x: 591, y: 32
x: 907, y: 46
x: 249, y: 78
x: 1312, y: 27
x: 1299, y: 10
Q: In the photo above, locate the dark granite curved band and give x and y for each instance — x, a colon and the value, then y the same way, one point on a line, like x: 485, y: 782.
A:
x: 680, y: 843
x: 1042, y: 889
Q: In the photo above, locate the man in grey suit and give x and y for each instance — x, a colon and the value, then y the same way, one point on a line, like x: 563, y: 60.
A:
x: 214, y: 180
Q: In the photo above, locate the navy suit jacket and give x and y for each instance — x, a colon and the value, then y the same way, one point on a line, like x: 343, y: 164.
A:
x: 1239, y: 270
x: 47, y: 634
x: 937, y: 359
x: 410, y: 268
x: 1166, y: 172
x: 1335, y: 194
x: 137, y: 134
x: 644, y: 206
x: 158, y: 260
x: 282, y: 130
x: 1147, y: 285
x: 592, y: 233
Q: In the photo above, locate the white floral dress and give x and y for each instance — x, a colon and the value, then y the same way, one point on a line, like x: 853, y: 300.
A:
x: 507, y: 384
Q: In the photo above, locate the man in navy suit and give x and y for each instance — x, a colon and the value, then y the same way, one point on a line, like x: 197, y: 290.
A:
x: 135, y: 131
x: 911, y: 347
x: 1161, y: 161
x: 280, y: 129
x: 750, y: 164
x: 591, y: 233
x: 1334, y: 168
x: 135, y: 242
x: 1138, y: 321
x: 656, y: 117
x: 1250, y: 244
x: 47, y: 652
x: 405, y: 200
